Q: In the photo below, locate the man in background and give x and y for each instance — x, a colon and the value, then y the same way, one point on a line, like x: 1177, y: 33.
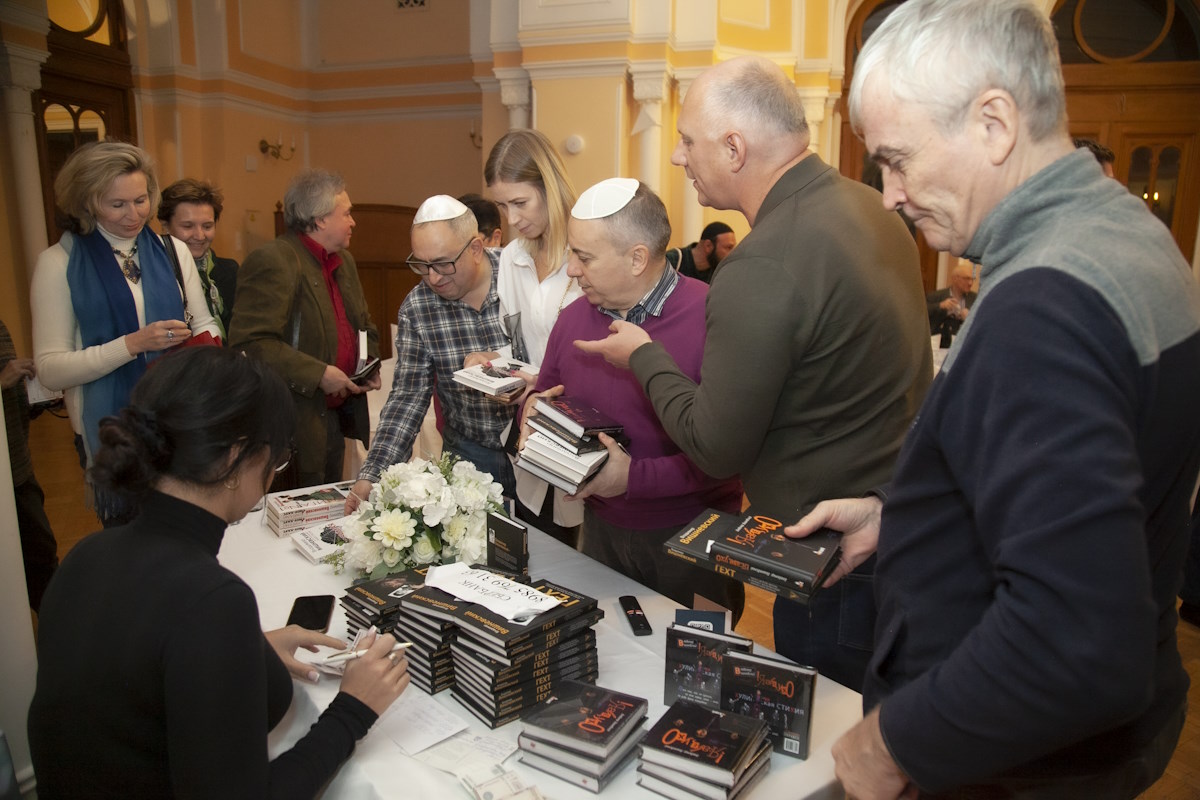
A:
x: 618, y: 234
x: 699, y: 259
x: 300, y: 307
x: 1031, y: 542
x: 817, y: 351
x: 948, y: 307
x: 454, y: 311
x: 39, y: 550
x: 487, y: 214
x: 1104, y: 155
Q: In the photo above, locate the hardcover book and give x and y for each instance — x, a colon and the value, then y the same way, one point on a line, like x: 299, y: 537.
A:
x: 288, y: 512
x: 540, y: 641
x: 759, y: 546
x: 545, y: 662
x: 778, y: 692
x: 676, y: 784
x: 578, y: 761
x: 317, y: 542
x: 497, y: 378
x: 541, y: 450
x: 693, y: 664
x: 562, y: 437
x: 593, y: 783
x: 715, y: 746
x: 507, y: 544
x: 548, y: 475
x: 588, y: 719
x: 576, y: 417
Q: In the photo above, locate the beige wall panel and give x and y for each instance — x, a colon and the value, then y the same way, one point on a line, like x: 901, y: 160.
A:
x: 755, y: 25
x: 593, y: 108
x: 369, y: 31
x: 270, y: 30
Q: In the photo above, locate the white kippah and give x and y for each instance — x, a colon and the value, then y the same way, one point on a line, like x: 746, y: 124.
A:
x: 605, y: 198
x: 439, y: 207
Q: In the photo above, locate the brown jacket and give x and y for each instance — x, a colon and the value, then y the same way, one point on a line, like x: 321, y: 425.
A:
x: 283, y: 315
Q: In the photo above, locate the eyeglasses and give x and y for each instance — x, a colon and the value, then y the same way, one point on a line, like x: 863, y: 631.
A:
x: 287, y: 460
x: 440, y: 267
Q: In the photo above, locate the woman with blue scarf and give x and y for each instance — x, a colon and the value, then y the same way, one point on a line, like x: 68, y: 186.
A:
x: 109, y: 298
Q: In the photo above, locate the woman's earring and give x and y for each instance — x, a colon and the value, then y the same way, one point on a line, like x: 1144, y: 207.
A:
x: 232, y: 485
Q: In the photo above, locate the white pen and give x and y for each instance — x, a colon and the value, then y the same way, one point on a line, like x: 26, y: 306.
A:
x: 337, y: 658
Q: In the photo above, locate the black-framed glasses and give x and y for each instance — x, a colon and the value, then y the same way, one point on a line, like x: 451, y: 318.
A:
x: 440, y: 267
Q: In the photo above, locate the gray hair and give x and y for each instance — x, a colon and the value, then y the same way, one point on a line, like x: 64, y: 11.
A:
x: 757, y: 91
x: 91, y: 171
x: 312, y: 194
x: 943, y: 53
x: 643, y: 220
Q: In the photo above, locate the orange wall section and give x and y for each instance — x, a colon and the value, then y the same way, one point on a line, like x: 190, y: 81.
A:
x: 369, y: 31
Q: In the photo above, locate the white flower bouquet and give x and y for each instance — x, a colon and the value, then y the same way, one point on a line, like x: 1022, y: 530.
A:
x: 420, y: 513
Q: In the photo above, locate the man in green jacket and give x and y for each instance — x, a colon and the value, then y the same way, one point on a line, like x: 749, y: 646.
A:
x: 300, y: 307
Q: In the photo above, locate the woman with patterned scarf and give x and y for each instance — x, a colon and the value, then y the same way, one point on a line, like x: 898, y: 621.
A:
x: 109, y: 298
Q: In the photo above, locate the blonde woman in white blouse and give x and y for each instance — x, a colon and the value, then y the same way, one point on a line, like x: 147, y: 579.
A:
x: 527, y: 180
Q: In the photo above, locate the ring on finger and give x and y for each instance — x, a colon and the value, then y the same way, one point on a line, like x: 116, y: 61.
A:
x: 392, y: 658
x: 170, y: 333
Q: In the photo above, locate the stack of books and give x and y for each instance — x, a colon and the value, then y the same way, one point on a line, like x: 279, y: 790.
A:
x: 503, y: 667
x: 288, y: 512
x: 693, y: 751
x: 565, y: 449
x: 318, y: 542
x: 694, y: 664
x: 751, y: 547
x: 583, y: 734
x: 497, y: 378
x: 379, y: 602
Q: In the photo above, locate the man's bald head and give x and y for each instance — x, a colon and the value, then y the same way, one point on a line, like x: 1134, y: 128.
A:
x: 752, y: 95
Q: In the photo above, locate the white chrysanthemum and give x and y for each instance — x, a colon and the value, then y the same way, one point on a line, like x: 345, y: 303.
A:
x: 423, y: 551
x: 363, y: 554
x: 472, y: 548
x: 394, y: 528
x: 454, y: 530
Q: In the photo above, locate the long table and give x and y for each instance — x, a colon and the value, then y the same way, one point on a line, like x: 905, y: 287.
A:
x: 379, y: 769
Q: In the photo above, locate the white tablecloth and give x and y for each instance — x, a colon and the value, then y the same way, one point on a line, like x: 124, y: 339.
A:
x: 379, y: 769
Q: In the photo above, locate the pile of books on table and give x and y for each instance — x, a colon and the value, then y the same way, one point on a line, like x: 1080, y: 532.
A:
x: 693, y: 751
x: 288, y: 512
x: 565, y: 448
x: 497, y: 378
x: 583, y: 734
x: 751, y: 547
x: 502, y: 667
x: 379, y: 603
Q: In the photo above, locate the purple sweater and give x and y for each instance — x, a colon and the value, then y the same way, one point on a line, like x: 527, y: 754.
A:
x: 665, y: 487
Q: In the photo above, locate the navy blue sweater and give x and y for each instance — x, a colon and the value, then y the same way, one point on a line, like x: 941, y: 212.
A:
x: 1034, y: 532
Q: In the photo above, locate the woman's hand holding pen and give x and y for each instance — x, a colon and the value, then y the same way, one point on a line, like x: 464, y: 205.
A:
x: 378, y: 677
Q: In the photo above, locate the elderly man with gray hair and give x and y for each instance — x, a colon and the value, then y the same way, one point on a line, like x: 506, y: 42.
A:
x: 1032, y: 539
x: 300, y: 307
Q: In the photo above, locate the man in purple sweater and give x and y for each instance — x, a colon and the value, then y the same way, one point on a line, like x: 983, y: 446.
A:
x: 618, y: 236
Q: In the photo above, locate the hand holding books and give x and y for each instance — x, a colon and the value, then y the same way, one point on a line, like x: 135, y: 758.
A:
x: 572, y: 446
x: 858, y: 520
x: 505, y: 380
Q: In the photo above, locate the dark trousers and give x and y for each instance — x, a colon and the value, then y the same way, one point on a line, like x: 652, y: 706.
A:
x: 835, y: 631
x: 493, y: 462
x: 639, y: 555
x: 1190, y: 593
x: 335, y: 453
x: 39, y: 550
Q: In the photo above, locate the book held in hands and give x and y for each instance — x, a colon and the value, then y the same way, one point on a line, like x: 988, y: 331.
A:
x: 497, y: 378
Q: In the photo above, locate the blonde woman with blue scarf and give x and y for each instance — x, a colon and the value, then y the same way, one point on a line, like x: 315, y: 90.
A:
x: 109, y: 298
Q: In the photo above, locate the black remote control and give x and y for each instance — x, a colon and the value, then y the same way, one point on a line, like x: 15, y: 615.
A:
x: 635, y: 615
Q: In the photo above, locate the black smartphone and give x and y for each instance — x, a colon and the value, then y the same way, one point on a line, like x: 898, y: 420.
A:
x: 314, y: 612
x: 366, y: 371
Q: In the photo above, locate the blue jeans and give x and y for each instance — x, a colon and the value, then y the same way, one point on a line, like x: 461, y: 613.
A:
x: 493, y: 462
x: 835, y: 632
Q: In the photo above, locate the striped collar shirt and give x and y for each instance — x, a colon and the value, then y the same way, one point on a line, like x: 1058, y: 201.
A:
x: 651, y: 304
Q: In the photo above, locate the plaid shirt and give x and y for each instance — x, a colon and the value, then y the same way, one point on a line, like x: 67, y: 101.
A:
x: 651, y: 304
x: 433, y: 338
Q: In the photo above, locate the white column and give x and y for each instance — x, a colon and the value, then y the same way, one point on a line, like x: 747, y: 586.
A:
x: 814, y: 101
x: 650, y: 89
x: 20, y: 76
x: 515, y: 93
x: 693, y: 216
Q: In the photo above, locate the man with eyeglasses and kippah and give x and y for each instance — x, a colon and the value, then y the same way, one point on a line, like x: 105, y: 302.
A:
x: 453, y: 311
